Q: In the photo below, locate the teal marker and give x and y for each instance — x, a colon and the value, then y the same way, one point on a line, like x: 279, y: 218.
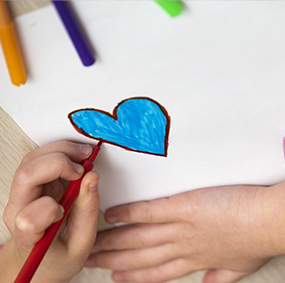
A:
x: 172, y: 7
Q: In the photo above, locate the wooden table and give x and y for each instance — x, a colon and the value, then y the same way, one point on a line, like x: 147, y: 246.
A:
x: 14, y: 144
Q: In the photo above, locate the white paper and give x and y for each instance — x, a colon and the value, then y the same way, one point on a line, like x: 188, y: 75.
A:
x: 218, y: 69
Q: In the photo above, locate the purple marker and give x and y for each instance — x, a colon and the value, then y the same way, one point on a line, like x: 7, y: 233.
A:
x: 75, y: 32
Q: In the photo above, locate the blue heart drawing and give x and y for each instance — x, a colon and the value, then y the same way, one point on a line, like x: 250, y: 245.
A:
x: 139, y: 124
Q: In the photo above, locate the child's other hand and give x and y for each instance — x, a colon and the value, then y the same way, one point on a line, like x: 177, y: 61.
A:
x: 33, y: 207
x: 232, y: 231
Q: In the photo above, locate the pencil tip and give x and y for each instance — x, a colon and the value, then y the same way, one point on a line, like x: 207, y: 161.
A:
x: 99, y: 143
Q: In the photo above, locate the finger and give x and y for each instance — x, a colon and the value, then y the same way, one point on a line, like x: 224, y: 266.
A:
x: 76, y: 152
x: 124, y: 259
x: 32, y: 221
x: 28, y: 180
x: 82, y: 220
x: 136, y: 236
x: 223, y: 276
x: 161, y: 273
x: 156, y: 211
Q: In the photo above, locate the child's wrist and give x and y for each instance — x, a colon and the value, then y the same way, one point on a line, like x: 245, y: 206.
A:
x: 17, y: 258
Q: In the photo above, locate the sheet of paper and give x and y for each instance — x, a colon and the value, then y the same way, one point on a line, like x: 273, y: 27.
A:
x: 218, y: 69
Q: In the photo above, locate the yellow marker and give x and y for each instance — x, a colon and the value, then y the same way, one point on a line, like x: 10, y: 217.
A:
x: 11, y: 49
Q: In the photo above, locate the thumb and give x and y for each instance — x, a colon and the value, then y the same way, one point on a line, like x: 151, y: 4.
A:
x: 81, y: 227
x: 223, y: 276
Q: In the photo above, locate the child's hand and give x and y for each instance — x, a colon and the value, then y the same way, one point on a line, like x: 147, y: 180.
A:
x: 232, y: 231
x: 33, y: 207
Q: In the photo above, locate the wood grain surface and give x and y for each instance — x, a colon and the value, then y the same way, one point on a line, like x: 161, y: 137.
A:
x: 14, y: 144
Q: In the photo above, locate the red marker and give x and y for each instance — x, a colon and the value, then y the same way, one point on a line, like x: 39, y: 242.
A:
x: 33, y: 261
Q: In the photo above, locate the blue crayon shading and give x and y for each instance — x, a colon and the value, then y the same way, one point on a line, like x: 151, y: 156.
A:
x: 138, y: 124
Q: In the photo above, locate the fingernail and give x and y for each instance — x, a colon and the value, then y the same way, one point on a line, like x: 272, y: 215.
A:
x: 111, y: 219
x: 86, y: 149
x: 93, y: 186
x: 78, y: 168
x: 118, y: 277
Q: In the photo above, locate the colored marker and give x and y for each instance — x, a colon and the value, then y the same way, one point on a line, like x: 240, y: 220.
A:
x: 172, y: 7
x: 75, y: 32
x: 39, y: 250
x: 11, y: 48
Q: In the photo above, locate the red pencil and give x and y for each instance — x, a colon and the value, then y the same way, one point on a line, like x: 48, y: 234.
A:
x: 33, y: 261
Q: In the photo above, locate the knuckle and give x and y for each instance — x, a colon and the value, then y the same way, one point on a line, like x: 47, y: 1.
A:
x: 60, y: 161
x: 95, y: 176
x: 146, y: 213
x: 25, y: 225
x: 91, y: 177
x: 140, y: 239
x: 65, y: 145
x: 92, y: 209
x: 27, y: 157
x: 24, y: 174
x: 127, y: 212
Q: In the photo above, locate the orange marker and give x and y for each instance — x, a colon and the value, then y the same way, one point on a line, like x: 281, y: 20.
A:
x: 11, y: 49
